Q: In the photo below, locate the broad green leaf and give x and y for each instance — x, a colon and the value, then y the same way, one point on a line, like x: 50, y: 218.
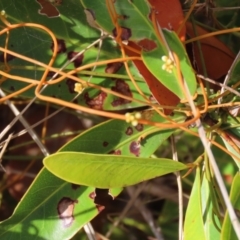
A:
x: 39, y: 204
x: 107, y: 171
x: 227, y: 229
x: 119, y: 137
x: 193, y: 225
x: 211, y: 232
x: 40, y: 214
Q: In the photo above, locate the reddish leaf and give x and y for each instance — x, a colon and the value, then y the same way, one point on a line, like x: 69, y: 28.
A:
x: 217, y: 57
x: 169, y: 15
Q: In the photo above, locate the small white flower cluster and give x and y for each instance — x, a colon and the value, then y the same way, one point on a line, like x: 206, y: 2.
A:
x: 79, y: 87
x: 133, y: 118
x: 168, y: 64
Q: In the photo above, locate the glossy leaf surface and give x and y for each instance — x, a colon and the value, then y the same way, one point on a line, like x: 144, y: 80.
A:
x: 107, y: 171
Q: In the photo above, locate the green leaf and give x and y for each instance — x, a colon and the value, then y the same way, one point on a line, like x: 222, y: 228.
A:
x: 211, y: 232
x: 193, y: 225
x: 227, y: 229
x: 38, y: 207
x: 135, y: 12
x: 153, y: 60
x: 107, y: 171
x: 71, y: 27
x: 119, y: 137
x: 39, y: 215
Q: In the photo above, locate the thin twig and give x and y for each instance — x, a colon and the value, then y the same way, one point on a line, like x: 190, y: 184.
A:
x: 126, y: 209
x: 31, y: 132
x: 180, y: 192
x: 227, y: 78
x: 222, y: 85
x: 55, y: 75
x: 146, y: 214
x: 26, y: 174
x: 3, y: 150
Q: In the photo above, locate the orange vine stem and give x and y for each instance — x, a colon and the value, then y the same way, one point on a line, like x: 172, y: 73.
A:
x: 212, y: 34
x: 187, y: 16
x: 49, y: 67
